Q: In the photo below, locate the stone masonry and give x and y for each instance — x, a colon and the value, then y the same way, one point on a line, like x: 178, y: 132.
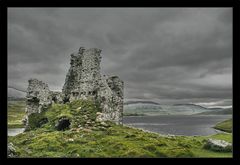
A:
x: 83, y: 81
x: 38, y: 98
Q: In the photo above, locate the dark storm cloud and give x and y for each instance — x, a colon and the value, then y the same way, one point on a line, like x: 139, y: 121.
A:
x: 162, y: 54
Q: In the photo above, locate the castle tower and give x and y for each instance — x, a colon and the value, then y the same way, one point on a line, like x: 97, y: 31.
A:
x: 84, y: 81
x: 73, y: 77
x: 90, y: 73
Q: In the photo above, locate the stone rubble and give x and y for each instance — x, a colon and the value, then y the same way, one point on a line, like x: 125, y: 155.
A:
x: 11, y: 151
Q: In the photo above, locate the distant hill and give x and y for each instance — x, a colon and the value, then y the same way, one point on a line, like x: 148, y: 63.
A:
x: 217, y: 111
x: 15, y: 94
x: 16, y: 99
x: 216, y: 108
x: 184, y: 109
x: 137, y: 108
x: 140, y: 102
x: 191, y: 105
x: 152, y: 108
x: 225, y: 126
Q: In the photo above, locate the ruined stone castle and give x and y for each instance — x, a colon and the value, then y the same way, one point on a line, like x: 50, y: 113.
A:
x: 83, y: 81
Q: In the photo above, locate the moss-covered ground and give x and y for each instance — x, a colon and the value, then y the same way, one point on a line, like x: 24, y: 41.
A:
x: 115, y: 141
x: 94, y: 140
x: 225, y: 126
x: 16, y: 112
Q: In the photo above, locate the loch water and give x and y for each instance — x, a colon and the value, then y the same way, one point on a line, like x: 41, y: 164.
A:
x: 188, y: 125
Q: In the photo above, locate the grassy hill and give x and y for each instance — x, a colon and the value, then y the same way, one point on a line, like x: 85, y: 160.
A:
x: 102, y: 139
x: 16, y: 112
x: 225, y: 126
x: 115, y: 141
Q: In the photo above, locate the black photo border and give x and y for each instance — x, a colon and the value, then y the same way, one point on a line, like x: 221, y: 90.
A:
x: 234, y: 4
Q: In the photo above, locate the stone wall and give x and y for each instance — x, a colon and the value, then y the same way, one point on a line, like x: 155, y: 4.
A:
x: 86, y: 82
x: 73, y: 76
x: 110, y: 96
x: 38, y: 98
x: 57, y: 97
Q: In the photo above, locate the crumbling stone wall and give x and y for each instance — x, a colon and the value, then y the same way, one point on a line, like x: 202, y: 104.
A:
x: 38, y: 98
x: 83, y: 81
x: 86, y: 82
x: 83, y: 77
x: 90, y: 74
x: 110, y: 96
x: 57, y: 97
x: 74, y: 74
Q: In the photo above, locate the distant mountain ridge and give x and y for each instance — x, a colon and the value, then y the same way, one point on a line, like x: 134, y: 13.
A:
x: 152, y: 108
x: 14, y: 93
x: 190, y: 104
x: 11, y: 87
x: 140, y: 102
x: 218, y: 111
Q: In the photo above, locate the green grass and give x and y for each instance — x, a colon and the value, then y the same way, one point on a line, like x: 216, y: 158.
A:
x: 116, y: 141
x: 42, y: 140
x: 223, y: 136
x: 225, y: 126
x: 16, y: 112
x: 79, y: 112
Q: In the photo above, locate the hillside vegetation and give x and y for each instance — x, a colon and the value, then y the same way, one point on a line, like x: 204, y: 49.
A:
x: 116, y: 141
x: 225, y: 126
x: 87, y: 138
x: 16, y: 112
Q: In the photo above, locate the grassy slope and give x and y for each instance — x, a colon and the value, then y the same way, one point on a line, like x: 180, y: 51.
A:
x: 225, y: 126
x: 16, y: 112
x: 114, y: 141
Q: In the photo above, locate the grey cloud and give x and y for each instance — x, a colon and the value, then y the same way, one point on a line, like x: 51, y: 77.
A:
x: 163, y: 54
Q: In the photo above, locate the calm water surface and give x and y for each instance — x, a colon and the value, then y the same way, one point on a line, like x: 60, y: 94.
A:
x: 189, y: 125
x: 14, y: 131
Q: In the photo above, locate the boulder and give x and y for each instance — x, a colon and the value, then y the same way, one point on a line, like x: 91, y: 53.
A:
x: 218, y: 145
x: 11, y: 151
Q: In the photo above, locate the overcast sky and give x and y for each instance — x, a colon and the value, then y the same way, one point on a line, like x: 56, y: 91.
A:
x: 168, y: 55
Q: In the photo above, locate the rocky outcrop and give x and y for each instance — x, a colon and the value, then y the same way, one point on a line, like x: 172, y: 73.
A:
x: 218, y: 145
x: 11, y: 151
x: 83, y: 81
